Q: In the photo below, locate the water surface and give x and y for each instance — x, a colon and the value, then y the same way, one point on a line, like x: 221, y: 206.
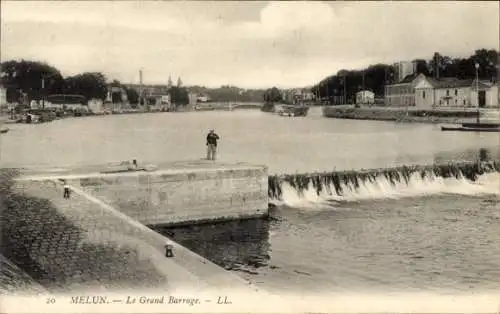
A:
x: 284, y: 144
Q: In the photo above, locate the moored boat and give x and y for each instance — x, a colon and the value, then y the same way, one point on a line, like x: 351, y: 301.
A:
x: 489, y: 125
x: 293, y: 111
x: 470, y: 129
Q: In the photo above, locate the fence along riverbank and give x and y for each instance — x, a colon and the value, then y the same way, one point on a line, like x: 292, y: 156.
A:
x: 460, y: 177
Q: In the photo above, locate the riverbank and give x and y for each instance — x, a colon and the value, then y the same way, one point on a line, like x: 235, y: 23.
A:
x: 465, y: 115
x: 51, y: 115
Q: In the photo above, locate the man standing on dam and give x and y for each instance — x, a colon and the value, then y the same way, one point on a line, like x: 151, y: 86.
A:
x: 67, y: 190
x: 212, y: 139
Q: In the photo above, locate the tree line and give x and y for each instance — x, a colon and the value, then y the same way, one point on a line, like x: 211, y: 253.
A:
x: 36, y: 80
x: 348, y: 82
x: 272, y: 95
x: 32, y: 80
x: 227, y: 93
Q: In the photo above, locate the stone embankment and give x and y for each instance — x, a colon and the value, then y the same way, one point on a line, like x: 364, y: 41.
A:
x: 188, y: 192
x: 13, y: 280
x: 404, y: 114
x: 82, y: 244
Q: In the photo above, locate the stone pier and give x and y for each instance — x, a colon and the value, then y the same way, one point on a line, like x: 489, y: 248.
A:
x: 81, y: 244
x: 98, y: 239
x: 174, y: 194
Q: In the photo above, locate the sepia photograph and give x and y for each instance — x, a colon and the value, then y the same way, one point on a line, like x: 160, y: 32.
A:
x: 249, y: 156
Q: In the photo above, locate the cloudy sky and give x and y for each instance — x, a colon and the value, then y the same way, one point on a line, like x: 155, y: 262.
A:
x: 248, y: 44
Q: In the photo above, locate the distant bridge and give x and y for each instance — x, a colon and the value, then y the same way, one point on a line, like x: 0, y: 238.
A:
x: 228, y: 105
x: 245, y: 105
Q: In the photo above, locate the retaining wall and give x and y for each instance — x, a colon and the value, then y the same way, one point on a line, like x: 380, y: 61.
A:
x: 182, y: 195
x: 400, y: 114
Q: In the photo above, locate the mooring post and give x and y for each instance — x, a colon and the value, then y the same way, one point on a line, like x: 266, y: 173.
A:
x: 169, y: 250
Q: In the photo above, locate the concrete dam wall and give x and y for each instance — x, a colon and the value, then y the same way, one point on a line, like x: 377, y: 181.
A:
x: 184, y: 193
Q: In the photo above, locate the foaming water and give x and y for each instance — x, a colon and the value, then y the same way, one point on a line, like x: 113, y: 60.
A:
x: 381, y: 188
x: 313, y: 190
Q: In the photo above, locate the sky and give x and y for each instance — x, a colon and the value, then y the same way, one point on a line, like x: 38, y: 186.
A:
x: 246, y: 44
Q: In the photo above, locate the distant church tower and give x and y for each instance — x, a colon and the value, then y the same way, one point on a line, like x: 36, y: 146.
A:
x: 169, y: 82
x: 179, y: 82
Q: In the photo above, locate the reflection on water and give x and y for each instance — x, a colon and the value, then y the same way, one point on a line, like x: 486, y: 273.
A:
x: 476, y: 154
x: 484, y: 154
x: 236, y: 245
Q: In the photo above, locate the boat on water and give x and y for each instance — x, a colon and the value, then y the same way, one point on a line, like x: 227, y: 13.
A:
x: 488, y: 125
x: 293, y: 110
x: 472, y: 129
x: 4, y: 130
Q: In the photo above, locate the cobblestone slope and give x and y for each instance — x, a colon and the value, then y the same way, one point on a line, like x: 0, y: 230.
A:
x: 14, y: 281
x: 75, y: 244
x: 71, y: 244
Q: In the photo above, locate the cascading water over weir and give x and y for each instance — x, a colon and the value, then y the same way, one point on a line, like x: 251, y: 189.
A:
x: 389, y: 182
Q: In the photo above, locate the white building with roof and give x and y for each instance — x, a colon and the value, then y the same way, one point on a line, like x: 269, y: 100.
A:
x: 365, y: 97
x: 455, y: 93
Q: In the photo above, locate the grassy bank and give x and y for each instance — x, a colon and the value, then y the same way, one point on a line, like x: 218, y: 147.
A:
x: 401, y: 114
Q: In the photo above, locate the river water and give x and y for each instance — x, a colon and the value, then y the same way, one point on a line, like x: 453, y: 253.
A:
x: 438, y: 236
x: 286, y: 145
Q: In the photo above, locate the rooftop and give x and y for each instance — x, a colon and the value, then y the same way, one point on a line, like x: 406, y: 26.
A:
x: 409, y: 78
x: 453, y: 82
x: 450, y: 82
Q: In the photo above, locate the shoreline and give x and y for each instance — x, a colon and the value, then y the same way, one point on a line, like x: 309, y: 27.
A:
x: 213, y: 107
x: 411, y: 115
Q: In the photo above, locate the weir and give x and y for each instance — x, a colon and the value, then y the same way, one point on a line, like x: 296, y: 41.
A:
x: 340, y: 182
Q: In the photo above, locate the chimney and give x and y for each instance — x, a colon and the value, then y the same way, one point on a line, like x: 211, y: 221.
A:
x: 437, y: 58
